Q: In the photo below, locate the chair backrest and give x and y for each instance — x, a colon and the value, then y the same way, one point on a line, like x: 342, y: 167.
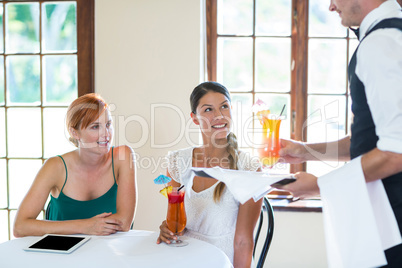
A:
x: 267, y: 212
x: 47, y: 211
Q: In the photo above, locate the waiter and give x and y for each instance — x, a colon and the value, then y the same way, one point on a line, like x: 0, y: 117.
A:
x: 375, y: 76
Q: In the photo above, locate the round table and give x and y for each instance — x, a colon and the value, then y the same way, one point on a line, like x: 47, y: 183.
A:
x: 124, y: 249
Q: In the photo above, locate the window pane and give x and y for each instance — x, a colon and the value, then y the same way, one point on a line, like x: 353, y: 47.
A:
x: 242, y: 118
x: 12, y: 218
x: 322, y: 22
x: 3, y: 226
x: 353, y: 43
x: 248, y: 151
x: 326, y: 118
x: 327, y: 66
x: 23, y: 80
x: 59, y: 28
x: 1, y: 79
x: 3, y: 184
x: 55, y: 135
x: 235, y: 17
x: 2, y: 132
x: 22, y: 173
x: 319, y: 168
x: 22, y: 28
x: 1, y: 28
x: 273, y: 64
x: 273, y: 17
x: 24, y: 132
x: 60, y: 79
x: 235, y: 72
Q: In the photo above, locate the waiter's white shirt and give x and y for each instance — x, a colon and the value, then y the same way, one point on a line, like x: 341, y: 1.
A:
x: 359, y: 221
x: 379, y: 67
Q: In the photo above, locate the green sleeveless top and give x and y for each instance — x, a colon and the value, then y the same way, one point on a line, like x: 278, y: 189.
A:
x: 65, y: 208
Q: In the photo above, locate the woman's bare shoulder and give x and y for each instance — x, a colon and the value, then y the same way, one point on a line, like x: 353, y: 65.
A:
x: 52, y: 172
x: 123, y: 148
x: 60, y: 162
x: 54, y: 163
x: 123, y: 153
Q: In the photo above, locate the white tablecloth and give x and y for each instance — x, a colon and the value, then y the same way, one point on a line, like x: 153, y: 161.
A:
x: 131, y: 249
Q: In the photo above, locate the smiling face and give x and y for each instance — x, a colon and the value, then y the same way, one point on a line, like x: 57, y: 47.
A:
x: 97, y: 135
x: 213, y: 115
x: 350, y: 11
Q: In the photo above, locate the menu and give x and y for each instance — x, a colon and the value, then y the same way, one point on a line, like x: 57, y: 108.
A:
x: 243, y: 184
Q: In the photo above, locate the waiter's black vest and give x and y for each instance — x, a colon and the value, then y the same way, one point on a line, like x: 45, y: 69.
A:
x: 364, y: 137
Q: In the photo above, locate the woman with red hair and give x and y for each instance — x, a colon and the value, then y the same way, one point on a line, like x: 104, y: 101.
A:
x: 92, y: 189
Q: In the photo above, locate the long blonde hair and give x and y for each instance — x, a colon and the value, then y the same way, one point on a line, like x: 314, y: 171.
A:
x: 232, y: 147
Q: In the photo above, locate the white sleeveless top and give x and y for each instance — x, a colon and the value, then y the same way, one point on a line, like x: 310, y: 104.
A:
x: 206, y: 220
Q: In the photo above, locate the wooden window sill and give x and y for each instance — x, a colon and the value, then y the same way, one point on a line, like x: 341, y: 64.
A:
x: 283, y: 201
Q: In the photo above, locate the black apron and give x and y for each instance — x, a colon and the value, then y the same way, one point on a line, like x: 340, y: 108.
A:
x: 364, y: 139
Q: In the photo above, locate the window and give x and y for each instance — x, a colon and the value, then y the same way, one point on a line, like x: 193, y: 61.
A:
x: 283, y: 52
x: 46, y: 61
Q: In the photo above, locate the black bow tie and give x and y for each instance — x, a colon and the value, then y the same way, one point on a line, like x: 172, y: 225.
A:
x: 356, y: 31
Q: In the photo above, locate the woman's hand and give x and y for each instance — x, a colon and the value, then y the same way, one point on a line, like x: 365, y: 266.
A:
x: 305, y: 186
x: 165, y: 235
x: 103, y: 225
x: 292, y: 152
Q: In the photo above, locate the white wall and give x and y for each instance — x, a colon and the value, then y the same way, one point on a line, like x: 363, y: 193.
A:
x: 298, y: 241
x: 147, y: 52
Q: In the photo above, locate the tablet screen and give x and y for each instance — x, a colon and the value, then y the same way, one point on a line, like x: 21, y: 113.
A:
x: 58, y: 243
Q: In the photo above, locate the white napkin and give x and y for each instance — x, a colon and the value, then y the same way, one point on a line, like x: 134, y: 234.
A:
x: 244, y: 185
x: 359, y: 222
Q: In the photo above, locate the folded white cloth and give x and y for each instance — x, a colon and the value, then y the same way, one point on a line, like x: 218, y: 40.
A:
x: 242, y: 184
x: 359, y: 222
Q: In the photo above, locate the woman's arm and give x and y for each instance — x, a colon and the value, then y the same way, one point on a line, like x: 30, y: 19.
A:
x: 126, y: 203
x: 26, y: 224
x: 247, y: 218
x: 25, y: 221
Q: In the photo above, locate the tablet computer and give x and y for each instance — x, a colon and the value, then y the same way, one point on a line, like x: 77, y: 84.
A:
x: 57, y: 243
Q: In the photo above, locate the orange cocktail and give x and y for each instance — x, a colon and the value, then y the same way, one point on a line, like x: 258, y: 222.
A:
x: 176, y: 216
x: 270, y: 146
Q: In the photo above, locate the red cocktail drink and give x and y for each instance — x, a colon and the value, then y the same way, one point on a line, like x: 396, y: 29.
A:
x: 176, y: 216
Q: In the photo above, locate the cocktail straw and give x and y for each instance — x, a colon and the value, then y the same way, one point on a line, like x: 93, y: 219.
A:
x: 181, y: 187
x: 283, y: 109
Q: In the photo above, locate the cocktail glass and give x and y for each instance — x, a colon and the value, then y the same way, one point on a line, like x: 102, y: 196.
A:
x: 268, y: 151
x: 176, y: 216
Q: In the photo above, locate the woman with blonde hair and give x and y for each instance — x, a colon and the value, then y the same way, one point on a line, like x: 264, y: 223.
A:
x: 213, y: 215
x: 92, y: 189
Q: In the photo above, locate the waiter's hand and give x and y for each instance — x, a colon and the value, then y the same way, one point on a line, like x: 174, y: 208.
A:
x: 292, y: 152
x: 305, y: 186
